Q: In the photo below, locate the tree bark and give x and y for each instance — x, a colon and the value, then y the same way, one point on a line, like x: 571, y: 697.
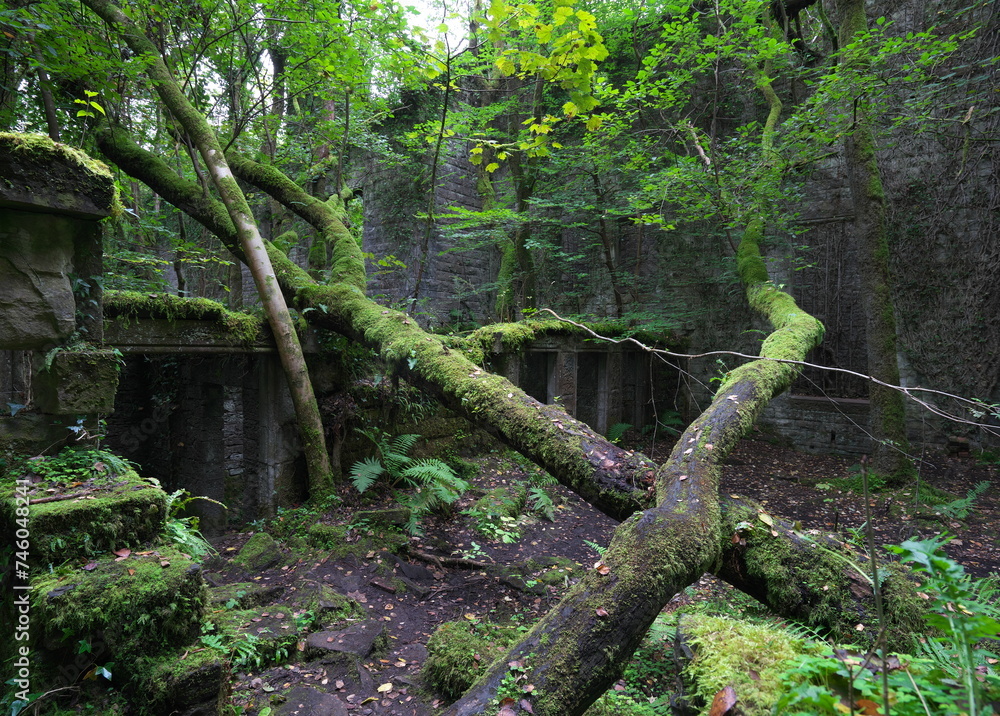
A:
x: 887, y: 419
x: 254, y: 252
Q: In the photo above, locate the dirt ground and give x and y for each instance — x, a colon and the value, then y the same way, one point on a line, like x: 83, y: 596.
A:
x: 411, y: 596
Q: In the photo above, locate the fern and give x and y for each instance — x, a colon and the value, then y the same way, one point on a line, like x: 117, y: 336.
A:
x: 616, y: 431
x: 365, y: 473
x: 183, y: 531
x: 402, y: 444
x: 960, y: 509
x: 541, y: 503
x: 435, y: 483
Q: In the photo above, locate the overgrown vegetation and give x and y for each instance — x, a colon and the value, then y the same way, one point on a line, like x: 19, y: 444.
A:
x: 433, y: 484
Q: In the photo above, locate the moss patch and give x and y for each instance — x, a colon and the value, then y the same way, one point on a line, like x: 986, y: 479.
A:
x: 730, y: 652
x: 130, y: 305
x: 241, y: 595
x: 260, y: 635
x: 111, y: 512
x: 504, y: 501
x: 78, y: 382
x: 259, y: 553
x: 141, y: 605
x: 333, y: 539
x: 178, y: 680
x: 458, y: 652
x: 36, y: 153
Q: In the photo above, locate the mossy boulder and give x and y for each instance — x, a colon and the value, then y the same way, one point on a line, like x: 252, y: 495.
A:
x: 109, y: 512
x: 339, y: 541
x: 187, y: 681
x: 458, y: 652
x: 328, y: 607
x: 503, y: 501
x: 124, y: 608
x: 392, y: 516
x: 77, y: 383
x: 259, y: 553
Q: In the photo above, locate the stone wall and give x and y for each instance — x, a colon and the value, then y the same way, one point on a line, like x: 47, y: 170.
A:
x: 452, y: 280
x: 219, y: 426
x: 52, y: 198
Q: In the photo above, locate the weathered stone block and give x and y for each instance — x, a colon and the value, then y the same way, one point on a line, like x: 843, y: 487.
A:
x: 107, y: 513
x: 37, y: 307
x: 127, y: 608
x: 77, y: 382
x: 259, y: 553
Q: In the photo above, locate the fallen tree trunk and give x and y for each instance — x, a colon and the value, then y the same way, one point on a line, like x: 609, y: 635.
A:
x: 579, y: 648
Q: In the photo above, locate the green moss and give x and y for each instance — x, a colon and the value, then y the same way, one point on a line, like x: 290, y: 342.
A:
x: 503, y: 501
x: 137, y: 606
x: 270, y: 633
x: 167, y: 683
x: 259, y: 553
x: 125, y: 511
x: 333, y: 539
x: 513, y: 337
x: 458, y: 652
x: 131, y: 305
x: 40, y: 147
x: 243, y: 594
x: 749, y: 657
x: 822, y: 585
x: 554, y: 571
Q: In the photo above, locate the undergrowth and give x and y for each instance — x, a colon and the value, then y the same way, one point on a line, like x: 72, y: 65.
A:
x: 783, y: 668
x: 432, y: 482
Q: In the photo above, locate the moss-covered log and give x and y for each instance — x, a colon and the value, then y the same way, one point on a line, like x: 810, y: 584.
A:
x: 813, y: 578
x: 581, y: 646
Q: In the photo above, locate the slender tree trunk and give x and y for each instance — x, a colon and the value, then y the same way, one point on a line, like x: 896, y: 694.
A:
x: 51, y: 118
x: 253, y: 248
x: 890, y: 451
x: 609, y: 253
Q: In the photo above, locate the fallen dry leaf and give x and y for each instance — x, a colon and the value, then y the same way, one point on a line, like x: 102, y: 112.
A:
x: 723, y: 702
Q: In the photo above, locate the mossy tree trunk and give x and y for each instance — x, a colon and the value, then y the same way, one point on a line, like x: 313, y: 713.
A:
x: 581, y: 646
x: 252, y: 245
x: 890, y: 451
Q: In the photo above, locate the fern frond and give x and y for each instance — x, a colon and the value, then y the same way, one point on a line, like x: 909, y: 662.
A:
x: 365, y: 472
x: 616, y: 431
x: 395, y: 464
x: 402, y: 444
x: 427, y: 471
x: 542, y: 503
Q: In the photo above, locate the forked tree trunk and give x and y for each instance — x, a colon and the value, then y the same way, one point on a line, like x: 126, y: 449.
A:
x: 252, y: 245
